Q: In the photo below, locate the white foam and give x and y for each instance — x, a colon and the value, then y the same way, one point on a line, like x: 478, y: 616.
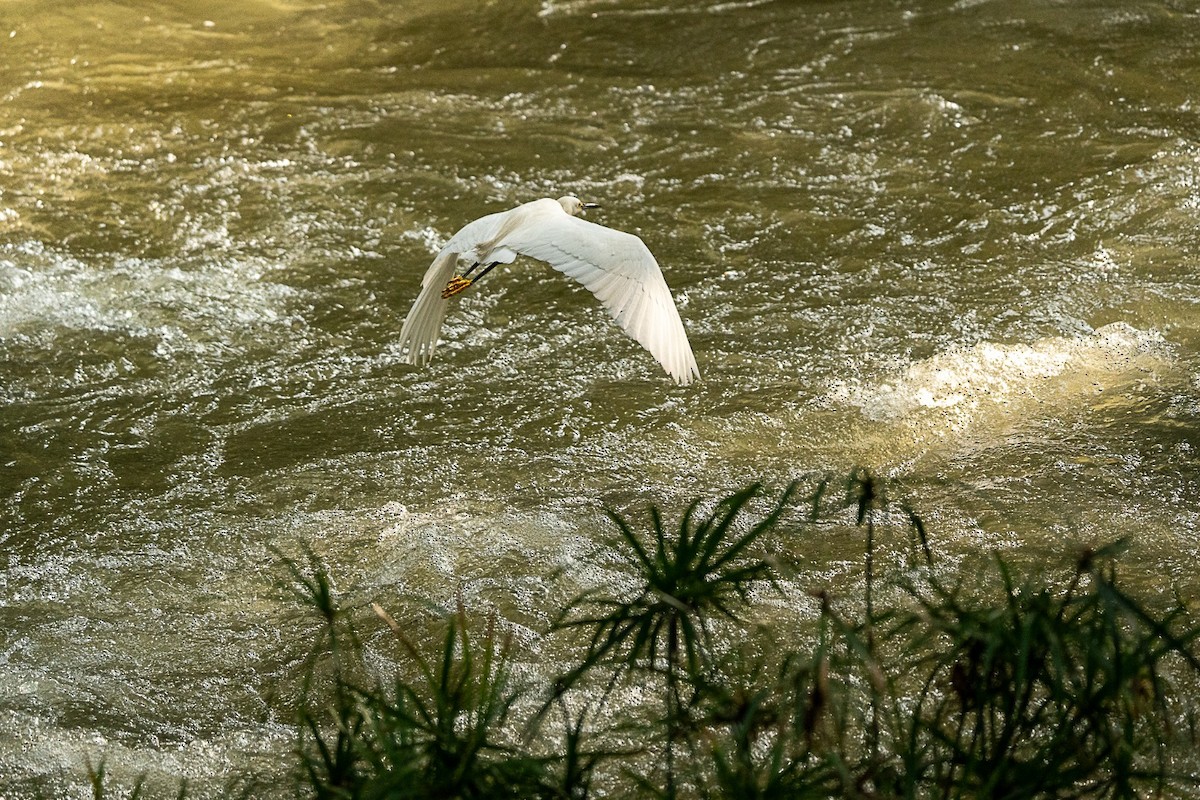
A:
x: 451, y: 553
x: 991, y: 384
x: 43, y: 290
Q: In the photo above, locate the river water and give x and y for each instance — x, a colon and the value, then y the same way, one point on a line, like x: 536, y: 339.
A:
x: 954, y: 242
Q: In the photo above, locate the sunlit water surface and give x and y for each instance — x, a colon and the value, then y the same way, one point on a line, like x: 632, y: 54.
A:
x: 954, y: 242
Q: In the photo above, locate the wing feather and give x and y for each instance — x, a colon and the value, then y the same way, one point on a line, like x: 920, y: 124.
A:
x: 419, y: 334
x: 604, y: 285
x: 615, y: 266
x: 622, y: 273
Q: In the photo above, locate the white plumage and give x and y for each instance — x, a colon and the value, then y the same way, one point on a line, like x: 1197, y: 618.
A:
x: 615, y: 266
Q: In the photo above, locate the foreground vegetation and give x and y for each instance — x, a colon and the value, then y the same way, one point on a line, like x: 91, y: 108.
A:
x: 997, y: 686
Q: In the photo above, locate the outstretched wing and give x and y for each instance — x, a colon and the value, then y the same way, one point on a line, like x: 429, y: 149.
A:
x: 621, y: 272
x: 616, y: 267
x: 419, y: 334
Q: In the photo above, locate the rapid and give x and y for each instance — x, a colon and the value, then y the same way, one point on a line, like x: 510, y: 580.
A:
x: 952, y: 242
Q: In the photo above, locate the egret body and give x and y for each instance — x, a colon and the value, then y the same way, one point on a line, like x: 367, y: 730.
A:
x: 615, y: 266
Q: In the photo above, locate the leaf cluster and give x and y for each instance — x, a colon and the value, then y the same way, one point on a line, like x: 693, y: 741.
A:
x: 1032, y: 688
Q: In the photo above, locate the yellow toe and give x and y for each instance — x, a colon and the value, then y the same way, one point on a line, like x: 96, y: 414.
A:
x: 456, y: 285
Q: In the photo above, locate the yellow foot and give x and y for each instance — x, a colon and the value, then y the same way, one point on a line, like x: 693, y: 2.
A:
x: 456, y: 285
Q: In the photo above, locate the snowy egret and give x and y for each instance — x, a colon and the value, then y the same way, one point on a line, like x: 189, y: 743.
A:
x: 615, y: 266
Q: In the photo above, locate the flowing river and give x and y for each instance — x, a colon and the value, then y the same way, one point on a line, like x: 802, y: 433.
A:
x: 954, y: 242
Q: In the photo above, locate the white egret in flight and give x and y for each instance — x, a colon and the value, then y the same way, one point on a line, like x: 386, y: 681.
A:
x: 615, y: 266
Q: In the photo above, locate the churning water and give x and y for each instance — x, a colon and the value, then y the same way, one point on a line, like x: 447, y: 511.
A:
x: 954, y: 242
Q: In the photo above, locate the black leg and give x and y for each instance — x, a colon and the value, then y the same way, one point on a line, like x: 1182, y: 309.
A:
x: 486, y: 270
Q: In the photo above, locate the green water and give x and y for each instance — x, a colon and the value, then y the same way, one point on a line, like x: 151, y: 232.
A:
x: 953, y: 241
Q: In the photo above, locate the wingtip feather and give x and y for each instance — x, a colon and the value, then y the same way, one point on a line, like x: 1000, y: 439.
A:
x: 419, y: 333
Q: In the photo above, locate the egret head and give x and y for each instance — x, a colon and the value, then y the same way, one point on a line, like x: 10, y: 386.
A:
x: 574, y: 206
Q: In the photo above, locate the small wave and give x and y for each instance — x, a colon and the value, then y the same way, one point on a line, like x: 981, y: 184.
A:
x: 988, y: 388
x: 43, y: 289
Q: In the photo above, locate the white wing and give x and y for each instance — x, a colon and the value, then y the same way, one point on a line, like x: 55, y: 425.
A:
x: 621, y: 272
x: 616, y: 267
x: 419, y: 334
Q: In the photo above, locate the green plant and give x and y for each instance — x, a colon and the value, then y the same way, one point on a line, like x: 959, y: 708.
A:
x: 988, y: 687
x: 98, y: 778
x: 436, y: 736
x: 440, y: 738
x: 331, y: 730
x: 1043, y: 691
x: 688, y: 577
